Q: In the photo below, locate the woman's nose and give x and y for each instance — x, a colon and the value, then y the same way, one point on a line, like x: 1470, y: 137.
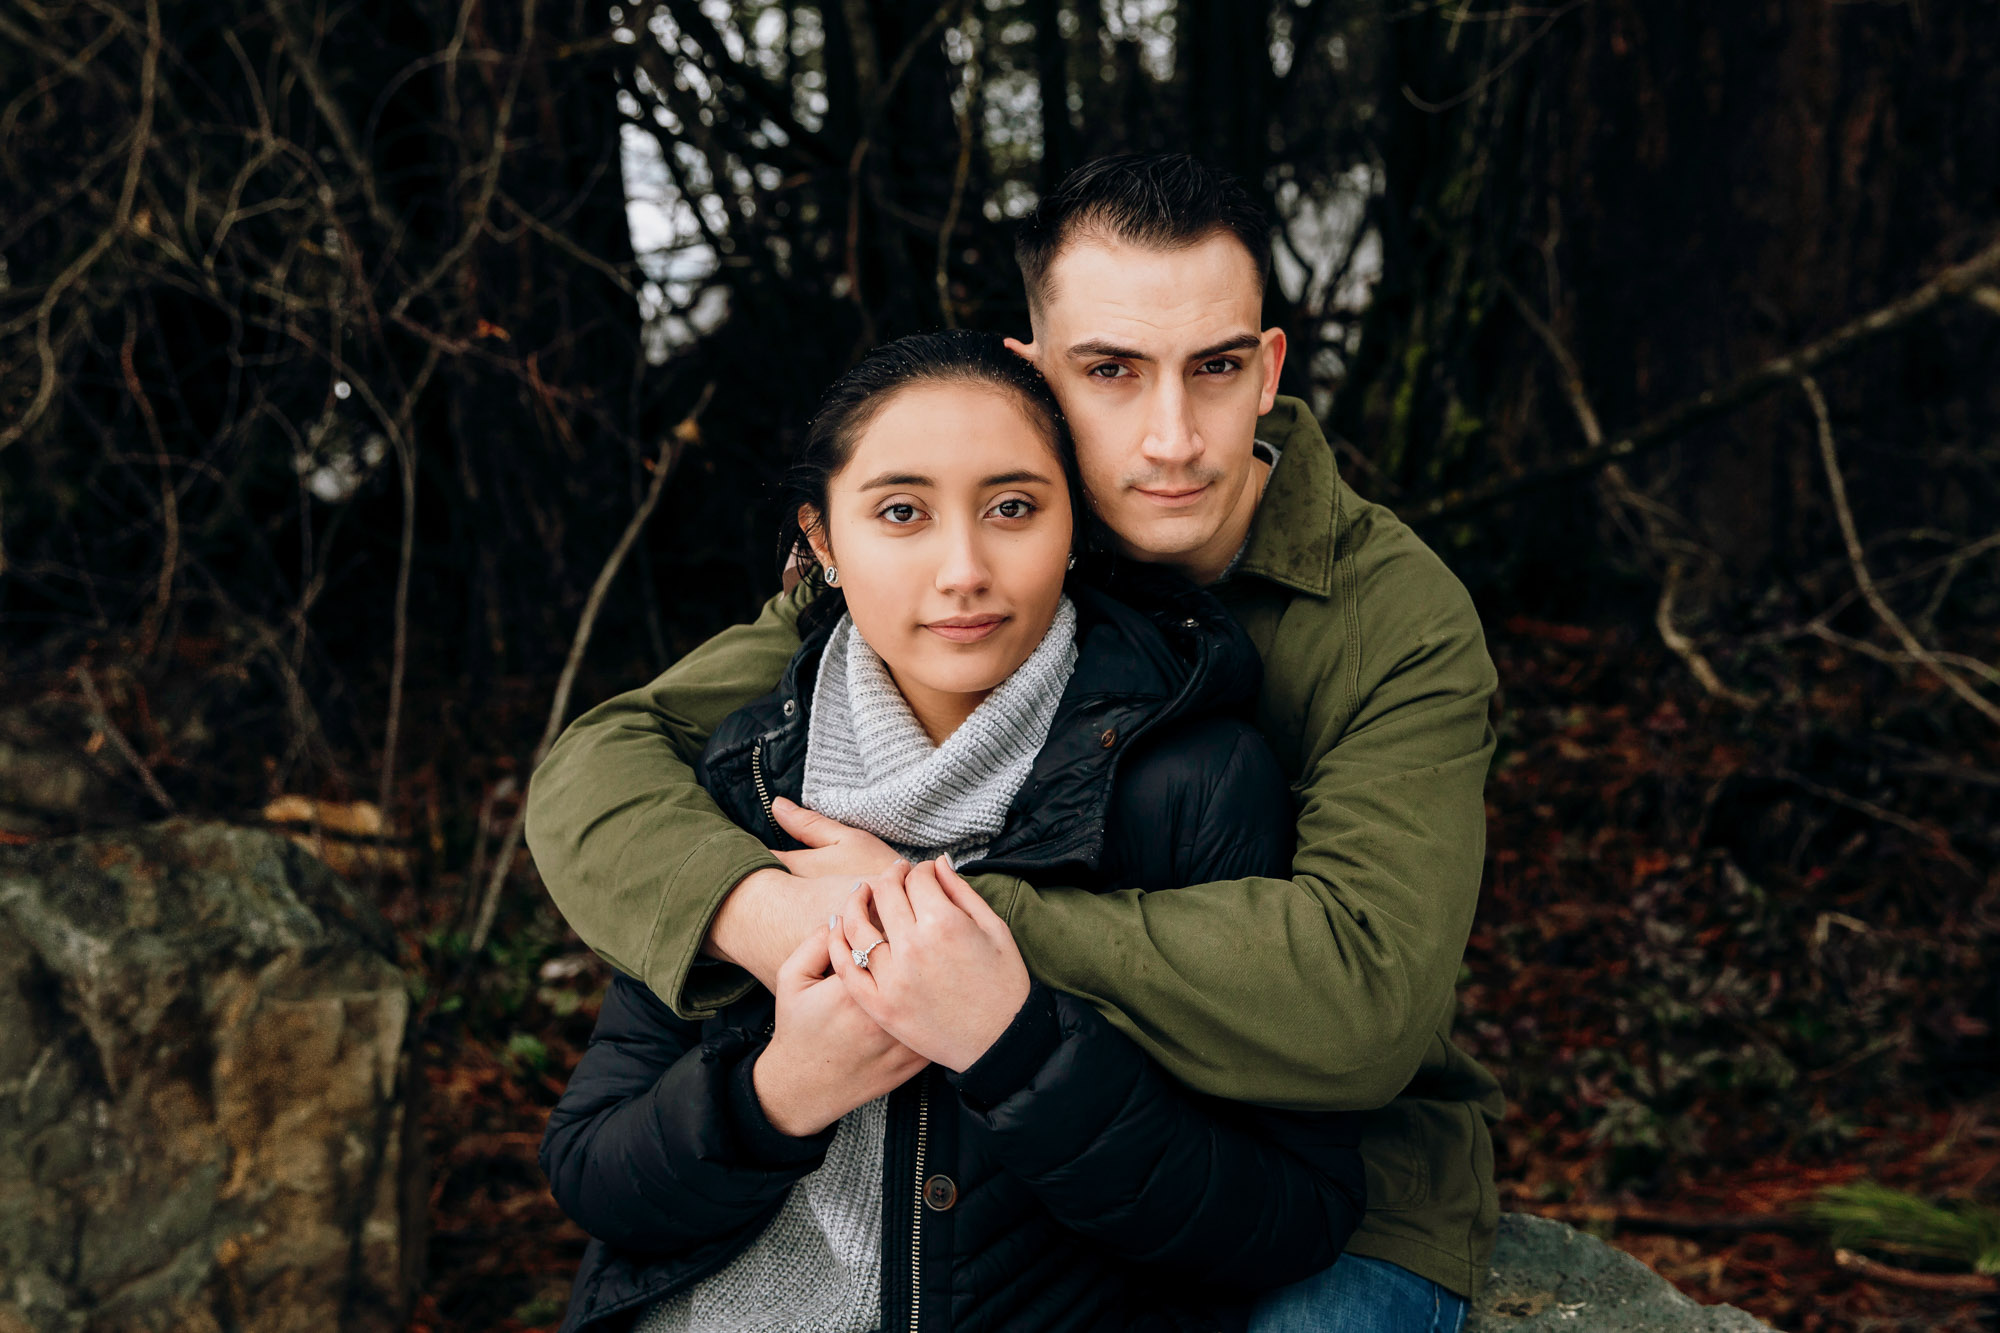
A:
x: 963, y: 568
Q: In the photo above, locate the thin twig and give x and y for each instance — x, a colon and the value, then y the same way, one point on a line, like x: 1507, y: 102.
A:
x: 100, y: 717
x: 1857, y: 561
x: 121, y: 218
x: 503, y: 863
x: 1944, y: 1284
x: 967, y: 117
x: 1677, y: 420
x: 1684, y: 648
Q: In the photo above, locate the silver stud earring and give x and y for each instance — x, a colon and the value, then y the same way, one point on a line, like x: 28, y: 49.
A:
x: 1071, y: 564
x: 832, y: 577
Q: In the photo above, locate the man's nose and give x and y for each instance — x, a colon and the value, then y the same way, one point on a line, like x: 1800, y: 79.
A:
x: 964, y: 568
x: 1170, y: 428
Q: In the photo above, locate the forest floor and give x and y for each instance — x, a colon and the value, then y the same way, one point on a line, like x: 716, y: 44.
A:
x: 1724, y: 958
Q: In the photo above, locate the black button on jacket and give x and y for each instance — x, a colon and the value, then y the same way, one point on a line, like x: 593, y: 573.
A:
x: 1064, y: 1182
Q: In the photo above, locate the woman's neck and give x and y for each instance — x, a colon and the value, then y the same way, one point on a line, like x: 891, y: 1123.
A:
x: 939, y: 713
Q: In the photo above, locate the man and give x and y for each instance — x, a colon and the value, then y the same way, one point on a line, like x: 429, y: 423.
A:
x: 1332, y: 989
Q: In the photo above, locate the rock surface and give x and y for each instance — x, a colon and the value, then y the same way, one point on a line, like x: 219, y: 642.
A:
x: 205, y: 1091
x: 1548, y: 1277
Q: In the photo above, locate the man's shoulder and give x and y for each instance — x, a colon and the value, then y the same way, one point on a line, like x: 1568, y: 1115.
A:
x: 1384, y: 571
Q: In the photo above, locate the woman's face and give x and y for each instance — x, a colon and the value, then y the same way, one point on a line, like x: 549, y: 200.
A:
x: 950, y: 526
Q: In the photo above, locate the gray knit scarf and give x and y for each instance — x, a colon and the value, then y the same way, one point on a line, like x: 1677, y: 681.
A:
x: 870, y: 765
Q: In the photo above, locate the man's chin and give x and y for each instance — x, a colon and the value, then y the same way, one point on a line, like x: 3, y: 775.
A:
x: 1156, y: 538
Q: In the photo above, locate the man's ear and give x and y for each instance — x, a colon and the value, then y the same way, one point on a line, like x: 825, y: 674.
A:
x: 1274, y: 365
x: 815, y: 531
x: 1029, y: 352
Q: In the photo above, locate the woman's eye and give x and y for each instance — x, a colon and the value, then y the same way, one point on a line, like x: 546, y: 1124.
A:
x: 900, y: 513
x: 1014, y: 508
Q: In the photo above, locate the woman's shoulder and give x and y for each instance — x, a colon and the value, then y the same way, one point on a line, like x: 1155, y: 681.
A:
x: 1199, y: 801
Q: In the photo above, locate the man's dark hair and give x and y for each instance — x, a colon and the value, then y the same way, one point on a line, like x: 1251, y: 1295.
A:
x: 1163, y: 201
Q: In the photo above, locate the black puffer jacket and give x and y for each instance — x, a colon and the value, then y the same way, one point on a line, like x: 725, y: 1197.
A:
x: 1063, y: 1182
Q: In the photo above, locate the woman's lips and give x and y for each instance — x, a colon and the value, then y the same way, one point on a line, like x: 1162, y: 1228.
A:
x: 1173, y: 499
x: 966, y: 629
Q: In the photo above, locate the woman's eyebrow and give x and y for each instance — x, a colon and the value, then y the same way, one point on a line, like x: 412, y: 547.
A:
x: 1015, y: 479
x: 896, y: 479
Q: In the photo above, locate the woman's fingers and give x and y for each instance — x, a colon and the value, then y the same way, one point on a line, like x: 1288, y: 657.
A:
x: 927, y: 900
x: 847, y: 935
x: 892, y: 900
x: 966, y: 898
x: 807, y: 963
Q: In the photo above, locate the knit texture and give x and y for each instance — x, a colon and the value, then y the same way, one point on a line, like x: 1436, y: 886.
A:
x: 817, y: 1267
x: 869, y: 763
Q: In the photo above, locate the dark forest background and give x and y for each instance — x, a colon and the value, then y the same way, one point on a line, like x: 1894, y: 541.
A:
x: 380, y: 384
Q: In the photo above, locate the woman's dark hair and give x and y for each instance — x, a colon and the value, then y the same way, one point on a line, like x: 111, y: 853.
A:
x: 958, y: 356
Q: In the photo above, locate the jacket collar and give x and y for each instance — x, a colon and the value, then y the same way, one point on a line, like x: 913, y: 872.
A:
x: 1296, y: 531
x: 1182, y: 655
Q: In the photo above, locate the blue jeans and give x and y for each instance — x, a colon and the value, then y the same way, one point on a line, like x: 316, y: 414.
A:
x: 1360, y: 1295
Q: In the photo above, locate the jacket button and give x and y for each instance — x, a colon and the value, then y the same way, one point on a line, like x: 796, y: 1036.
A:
x: 1108, y: 739
x: 940, y: 1193
x: 791, y: 706
x: 1190, y: 623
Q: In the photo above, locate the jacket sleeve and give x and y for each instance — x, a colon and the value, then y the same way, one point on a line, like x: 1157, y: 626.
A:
x: 636, y: 855
x: 1321, y: 989
x: 1232, y: 1196
x: 658, y: 1143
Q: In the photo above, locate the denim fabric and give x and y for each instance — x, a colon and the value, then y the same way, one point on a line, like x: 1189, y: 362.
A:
x: 1360, y: 1295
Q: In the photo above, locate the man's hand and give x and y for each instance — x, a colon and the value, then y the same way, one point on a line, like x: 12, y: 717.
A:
x: 826, y: 1055
x: 831, y: 847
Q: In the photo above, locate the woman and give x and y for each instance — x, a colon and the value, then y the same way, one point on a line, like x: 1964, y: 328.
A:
x: 925, y: 1138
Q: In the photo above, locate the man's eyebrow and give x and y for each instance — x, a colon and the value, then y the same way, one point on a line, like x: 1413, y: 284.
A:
x: 1241, y: 342
x: 1096, y: 347
x: 1101, y: 347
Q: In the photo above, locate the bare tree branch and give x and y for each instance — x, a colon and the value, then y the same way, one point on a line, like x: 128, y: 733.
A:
x: 1677, y: 420
x: 1857, y: 560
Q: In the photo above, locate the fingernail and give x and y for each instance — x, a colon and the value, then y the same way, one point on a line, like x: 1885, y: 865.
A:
x: 944, y: 859
x: 780, y: 801
x: 833, y: 921
x: 901, y: 864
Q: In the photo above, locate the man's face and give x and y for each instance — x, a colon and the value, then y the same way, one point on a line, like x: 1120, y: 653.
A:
x: 1160, y: 365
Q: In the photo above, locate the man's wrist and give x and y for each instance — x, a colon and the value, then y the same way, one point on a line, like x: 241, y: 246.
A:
x: 742, y: 931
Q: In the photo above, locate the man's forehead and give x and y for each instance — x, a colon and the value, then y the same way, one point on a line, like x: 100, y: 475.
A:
x: 1175, y: 300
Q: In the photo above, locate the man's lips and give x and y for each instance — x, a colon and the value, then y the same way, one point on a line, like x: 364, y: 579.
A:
x: 966, y: 629
x: 1172, y: 497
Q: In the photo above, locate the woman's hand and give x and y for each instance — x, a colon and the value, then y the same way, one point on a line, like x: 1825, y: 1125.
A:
x: 949, y: 980
x: 826, y: 1055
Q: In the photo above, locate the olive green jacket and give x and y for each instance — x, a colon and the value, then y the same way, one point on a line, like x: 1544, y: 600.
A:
x: 1333, y: 989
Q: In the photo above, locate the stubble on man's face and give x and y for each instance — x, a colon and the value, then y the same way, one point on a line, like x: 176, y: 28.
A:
x: 1162, y: 369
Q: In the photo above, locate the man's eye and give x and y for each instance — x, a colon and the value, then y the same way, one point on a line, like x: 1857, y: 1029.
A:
x: 1111, y: 370
x: 900, y: 513
x: 1014, y: 508
x: 1221, y: 365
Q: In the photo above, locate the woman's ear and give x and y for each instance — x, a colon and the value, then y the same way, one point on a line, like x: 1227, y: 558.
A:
x: 815, y: 531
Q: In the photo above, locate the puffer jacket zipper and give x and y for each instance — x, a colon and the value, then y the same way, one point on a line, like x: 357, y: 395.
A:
x: 757, y: 777
x: 917, y: 1201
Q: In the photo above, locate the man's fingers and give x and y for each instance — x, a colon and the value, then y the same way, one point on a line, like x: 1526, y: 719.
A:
x: 814, y: 830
